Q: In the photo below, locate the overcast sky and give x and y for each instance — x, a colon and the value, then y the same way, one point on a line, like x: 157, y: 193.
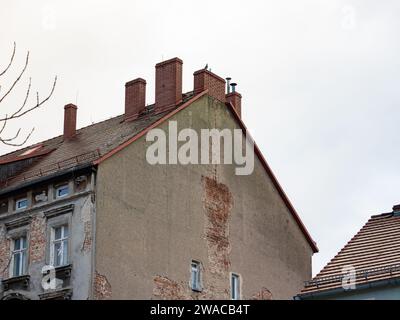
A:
x: 320, y: 81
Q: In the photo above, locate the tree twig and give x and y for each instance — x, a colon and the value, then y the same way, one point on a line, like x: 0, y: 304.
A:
x: 16, y: 80
x: 38, y: 103
x: 11, y: 60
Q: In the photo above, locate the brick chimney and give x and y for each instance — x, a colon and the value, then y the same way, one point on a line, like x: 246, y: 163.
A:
x: 70, y: 121
x: 135, y: 97
x: 204, y: 79
x: 236, y: 99
x: 168, y: 84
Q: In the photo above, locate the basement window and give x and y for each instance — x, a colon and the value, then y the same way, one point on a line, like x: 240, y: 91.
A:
x: 195, y: 279
x: 59, y: 246
x: 235, y: 286
x: 62, y: 191
x: 21, y: 204
x: 19, y: 256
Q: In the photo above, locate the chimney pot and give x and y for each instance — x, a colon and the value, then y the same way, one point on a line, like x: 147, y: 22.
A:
x: 70, y: 111
x: 206, y: 80
x: 228, y: 84
x: 135, y: 98
x: 168, y: 84
x: 396, y: 210
x: 236, y: 99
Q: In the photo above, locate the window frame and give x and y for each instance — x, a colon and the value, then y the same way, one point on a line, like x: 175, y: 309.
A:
x: 197, y: 284
x: 19, y: 200
x: 235, y: 285
x: 23, y: 252
x: 61, y: 187
x: 56, y: 217
x: 62, y: 240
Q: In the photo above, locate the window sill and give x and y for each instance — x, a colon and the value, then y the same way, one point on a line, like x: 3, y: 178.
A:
x: 62, y: 272
x: 16, y: 282
x: 63, y: 294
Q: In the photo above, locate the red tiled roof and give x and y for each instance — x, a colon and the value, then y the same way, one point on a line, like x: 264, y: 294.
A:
x: 89, y: 144
x: 374, y: 252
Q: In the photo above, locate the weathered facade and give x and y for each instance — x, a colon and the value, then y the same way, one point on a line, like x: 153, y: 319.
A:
x: 134, y: 230
x: 45, y: 211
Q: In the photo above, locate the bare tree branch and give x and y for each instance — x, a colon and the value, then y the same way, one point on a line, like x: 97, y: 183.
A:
x: 11, y: 60
x: 25, y: 100
x: 22, y: 110
x: 4, y: 125
x: 8, y: 143
x: 37, y: 105
x: 16, y: 80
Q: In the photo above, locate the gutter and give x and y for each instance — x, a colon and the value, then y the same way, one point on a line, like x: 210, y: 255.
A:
x: 320, y: 295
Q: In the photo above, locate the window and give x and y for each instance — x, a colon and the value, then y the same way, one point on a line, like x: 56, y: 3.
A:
x: 59, y: 246
x: 195, y: 280
x: 62, y: 191
x: 19, y: 256
x: 21, y: 204
x: 235, y: 286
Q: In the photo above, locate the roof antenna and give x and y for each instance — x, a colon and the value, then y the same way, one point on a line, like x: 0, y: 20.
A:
x: 228, y: 84
x: 233, y: 85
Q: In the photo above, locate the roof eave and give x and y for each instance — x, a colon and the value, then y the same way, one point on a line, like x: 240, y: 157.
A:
x: 329, y: 292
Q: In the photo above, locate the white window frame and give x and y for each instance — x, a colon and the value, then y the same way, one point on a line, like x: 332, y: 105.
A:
x: 235, y: 286
x: 58, y: 189
x: 195, y: 275
x: 64, y: 239
x: 23, y: 253
x: 19, y: 201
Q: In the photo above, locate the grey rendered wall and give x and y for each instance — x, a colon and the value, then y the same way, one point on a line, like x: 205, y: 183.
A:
x: 153, y: 220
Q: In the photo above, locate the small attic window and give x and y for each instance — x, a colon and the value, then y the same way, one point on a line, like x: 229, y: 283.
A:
x: 29, y: 151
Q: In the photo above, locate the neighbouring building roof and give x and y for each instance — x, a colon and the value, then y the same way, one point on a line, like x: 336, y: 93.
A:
x: 374, y: 252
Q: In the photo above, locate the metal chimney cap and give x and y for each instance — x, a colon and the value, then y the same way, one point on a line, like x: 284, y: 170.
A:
x: 228, y: 78
x: 396, y: 210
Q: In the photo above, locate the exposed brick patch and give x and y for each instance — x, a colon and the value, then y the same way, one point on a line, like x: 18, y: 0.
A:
x: 37, y: 246
x: 102, y: 288
x: 168, y: 289
x: 263, y: 294
x: 5, y: 255
x: 218, y: 202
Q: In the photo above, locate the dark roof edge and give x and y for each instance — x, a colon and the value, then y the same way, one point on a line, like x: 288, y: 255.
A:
x: 324, y: 293
x: 45, y: 178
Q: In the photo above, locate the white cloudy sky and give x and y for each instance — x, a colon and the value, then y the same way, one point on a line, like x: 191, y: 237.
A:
x: 320, y: 81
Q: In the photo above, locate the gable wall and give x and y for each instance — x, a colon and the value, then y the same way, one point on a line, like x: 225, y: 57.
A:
x: 153, y: 220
